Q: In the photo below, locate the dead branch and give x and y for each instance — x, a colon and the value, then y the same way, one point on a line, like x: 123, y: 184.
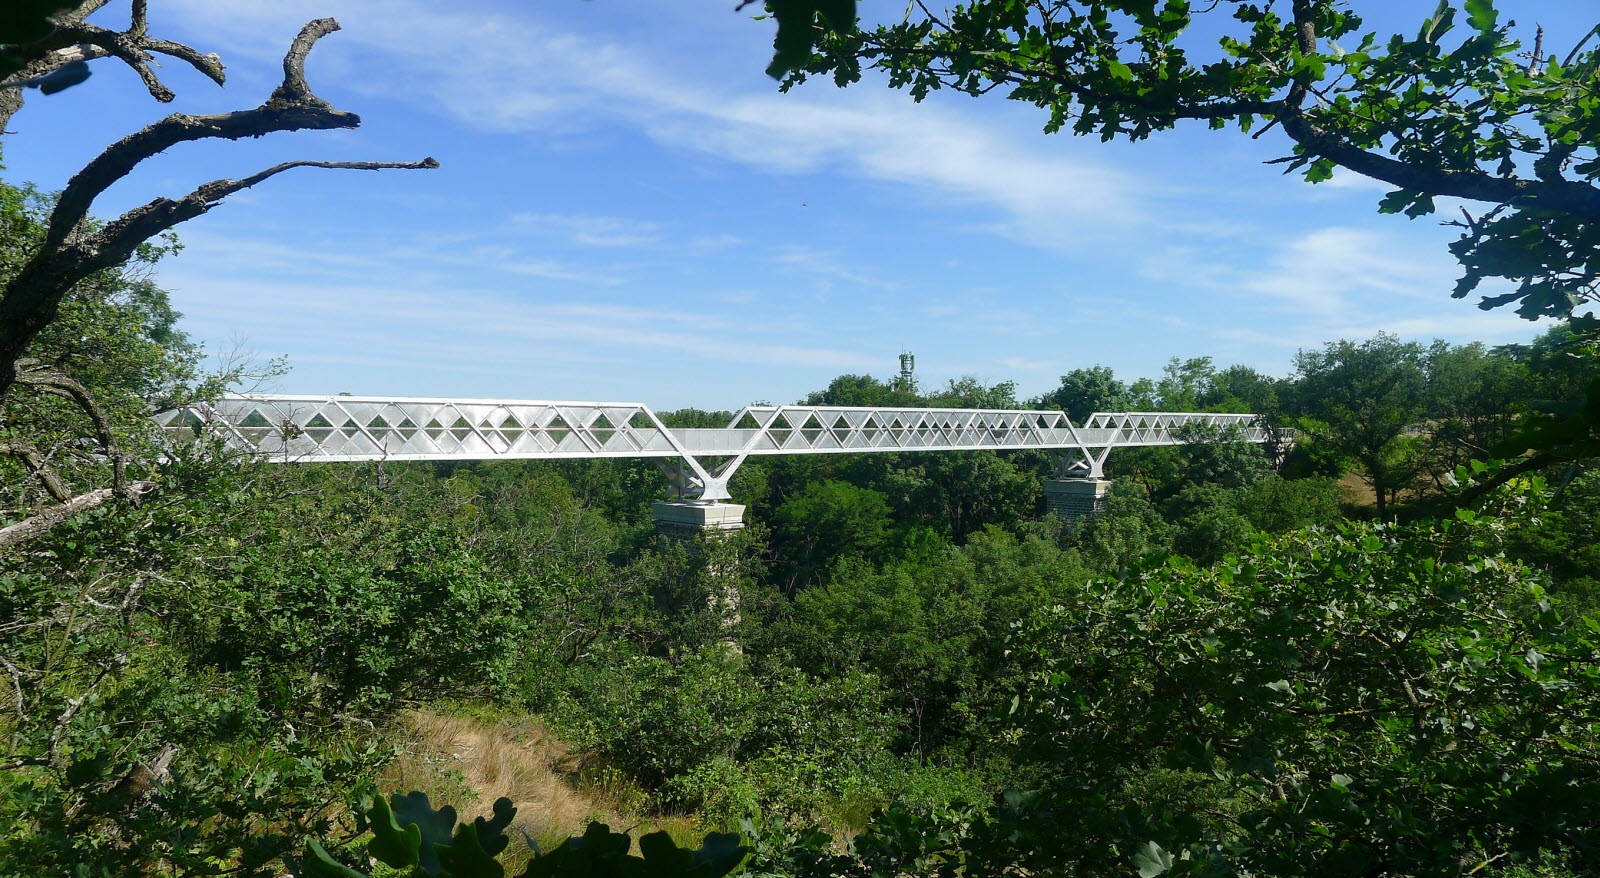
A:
x: 38, y: 467
x: 72, y: 252
x: 76, y: 40
x: 41, y: 523
x: 58, y: 384
x: 16, y: 684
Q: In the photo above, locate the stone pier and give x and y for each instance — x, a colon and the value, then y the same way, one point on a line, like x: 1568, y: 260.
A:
x: 1068, y: 499
x: 693, y: 523
x: 688, y: 519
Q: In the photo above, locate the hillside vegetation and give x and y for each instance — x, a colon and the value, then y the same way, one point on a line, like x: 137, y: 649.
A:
x: 1233, y: 669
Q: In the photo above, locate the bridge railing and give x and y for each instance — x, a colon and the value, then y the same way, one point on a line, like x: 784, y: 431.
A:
x: 303, y: 428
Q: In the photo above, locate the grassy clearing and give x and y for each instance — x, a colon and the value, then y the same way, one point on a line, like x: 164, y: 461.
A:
x: 469, y: 759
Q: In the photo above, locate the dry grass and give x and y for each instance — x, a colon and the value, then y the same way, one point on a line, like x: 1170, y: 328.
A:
x: 1356, y: 491
x: 469, y: 762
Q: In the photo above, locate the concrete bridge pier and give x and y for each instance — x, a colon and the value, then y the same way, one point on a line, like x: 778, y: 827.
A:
x: 691, y: 519
x: 698, y: 525
x: 1080, y: 485
x: 1070, y: 499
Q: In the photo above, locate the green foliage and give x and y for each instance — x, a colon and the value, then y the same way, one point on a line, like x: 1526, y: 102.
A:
x: 1376, y: 698
x: 708, y: 732
x: 932, y: 632
x: 826, y: 522
x: 409, y: 835
x: 799, y: 21
x: 116, y: 335
x: 1566, y: 545
x: 1129, y: 529
x: 1242, y: 389
x: 862, y: 390
x: 1452, y: 111
x: 1358, y: 399
x: 1370, y: 700
x: 1085, y: 391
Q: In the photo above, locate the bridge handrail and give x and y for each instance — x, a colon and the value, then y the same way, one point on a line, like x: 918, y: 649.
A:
x: 298, y: 428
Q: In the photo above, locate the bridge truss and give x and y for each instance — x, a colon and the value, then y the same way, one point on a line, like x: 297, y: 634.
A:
x: 699, y: 461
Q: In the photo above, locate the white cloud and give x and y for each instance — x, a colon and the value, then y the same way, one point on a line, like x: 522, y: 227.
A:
x: 1325, y: 270
x: 710, y: 243
x: 422, y: 329
x: 495, y: 72
x: 594, y: 231
x: 824, y: 264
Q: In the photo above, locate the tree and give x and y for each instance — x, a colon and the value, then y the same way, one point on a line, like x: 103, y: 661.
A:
x: 1359, y: 398
x: 826, y: 521
x: 970, y: 392
x: 1476, y: 398
x: 1184, y: 383
x: 1370, y: 700
x: 1473, y: 117
x: 112, y: 356
x: 1303, y: 710
x: 73, y: 247
x: 861, y: 390
x: 1241, y: 389
x: 1085, y: 391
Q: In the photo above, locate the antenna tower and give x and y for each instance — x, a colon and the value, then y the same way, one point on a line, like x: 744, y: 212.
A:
x: 908, y: 365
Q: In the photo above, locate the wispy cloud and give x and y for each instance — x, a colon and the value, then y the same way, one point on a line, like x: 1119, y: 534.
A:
x: 1324, y: 272
x: 392, y: 319
x: 594, y: 231
x: 824, y: 264
x: 558, y: 81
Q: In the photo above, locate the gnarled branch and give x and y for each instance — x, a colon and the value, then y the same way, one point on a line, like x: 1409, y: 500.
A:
x: 69, y: 254
x: 76, y: 40
x: 59, y: 384
x: 42, y: 522
x: 38, y: 467
x: 294, y: 87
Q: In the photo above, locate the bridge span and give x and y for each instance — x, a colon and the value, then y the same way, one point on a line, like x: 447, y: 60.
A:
x: 698, y: 461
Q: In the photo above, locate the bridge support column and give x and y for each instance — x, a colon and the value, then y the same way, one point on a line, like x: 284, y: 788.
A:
x: 1069, y: 499
x: 694, y: 524
x: 686, y: 519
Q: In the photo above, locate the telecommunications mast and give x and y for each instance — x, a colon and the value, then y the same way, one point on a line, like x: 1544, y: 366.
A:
x: 908, y: 364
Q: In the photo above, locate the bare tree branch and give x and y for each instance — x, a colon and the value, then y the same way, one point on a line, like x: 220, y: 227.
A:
x: 291, y: 107
x: 51, y: 381
x: 210, y: 64
x: 75, y: 40
x: 16, y: 683
x: 70, y: 253
x: 124, y: 48
x: 38, y: 525
x: 294, y: 88
x: 38, y: 467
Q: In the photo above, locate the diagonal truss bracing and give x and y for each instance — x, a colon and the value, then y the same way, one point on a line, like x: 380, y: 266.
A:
x: 292, y: 428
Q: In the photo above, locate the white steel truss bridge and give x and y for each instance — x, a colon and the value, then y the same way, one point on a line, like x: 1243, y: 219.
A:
x: 699, y: 462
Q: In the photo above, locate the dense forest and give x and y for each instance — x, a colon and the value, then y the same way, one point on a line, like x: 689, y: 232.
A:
x: 1369, y: 647
x: 1197, y: 666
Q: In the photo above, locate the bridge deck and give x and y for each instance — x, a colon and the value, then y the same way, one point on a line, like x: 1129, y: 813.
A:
x: 349, y: 428
x: 308, y: 429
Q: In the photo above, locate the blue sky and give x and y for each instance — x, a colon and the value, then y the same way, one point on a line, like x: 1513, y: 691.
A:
x: 628, y: 209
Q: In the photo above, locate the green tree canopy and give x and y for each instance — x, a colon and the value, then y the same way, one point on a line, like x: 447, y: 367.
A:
x: 1358, y: 398
x: 1456, y: 109
x: 1085, y: 391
